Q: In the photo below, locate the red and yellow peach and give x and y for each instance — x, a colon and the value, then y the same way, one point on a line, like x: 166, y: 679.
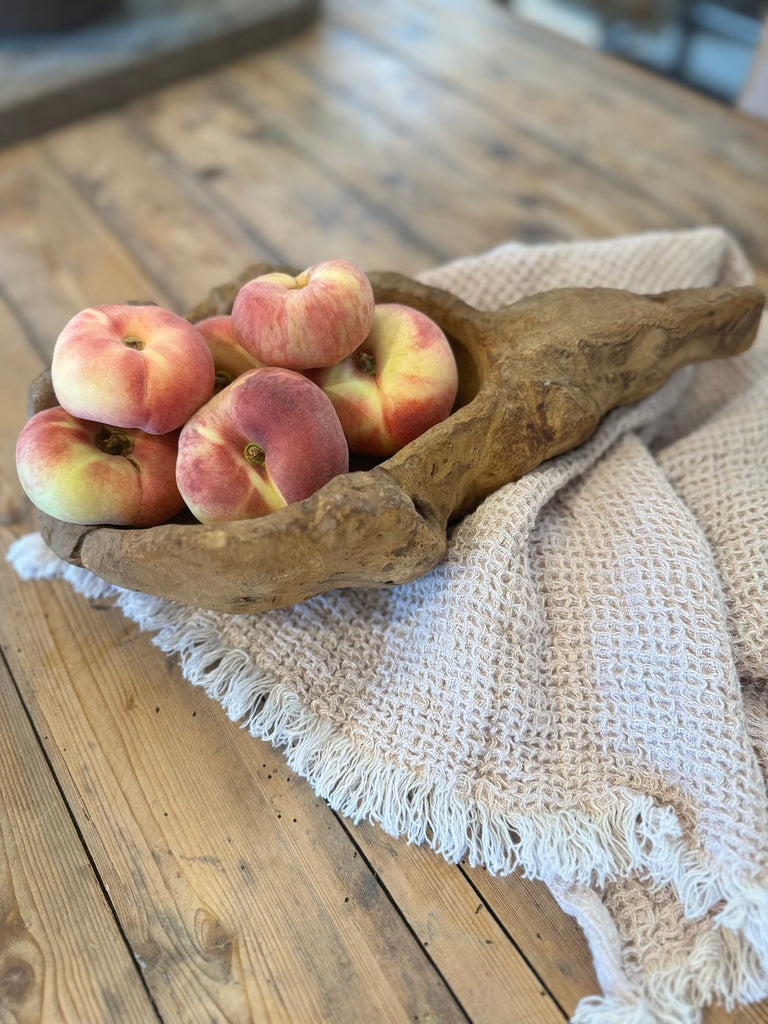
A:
x: 230, y: 359
x: 81, y: 471
x: 400, y: 381
x: 270, y: 438
x: 315, y: 319
x: 132, y: 366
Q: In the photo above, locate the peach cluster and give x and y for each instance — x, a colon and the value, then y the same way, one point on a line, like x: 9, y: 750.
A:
x: 237, y: 415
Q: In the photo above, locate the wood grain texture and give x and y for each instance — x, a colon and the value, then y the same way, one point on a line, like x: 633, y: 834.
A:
x: 62, y: 957
x: 179, y: 234
x: 325, y: 145
x: 330, y: 134
x: 56, y: 257
x: 20, y: 361
x: 230, y: 882
x: 704, y: 165
x: 246, y: 158
x: 553, y: 944
x: 467, y: 941
x: 344, y: 78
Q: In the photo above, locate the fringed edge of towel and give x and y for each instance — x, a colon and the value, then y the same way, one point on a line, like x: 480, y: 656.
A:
x: 630, y: 834
x: 723, y: 967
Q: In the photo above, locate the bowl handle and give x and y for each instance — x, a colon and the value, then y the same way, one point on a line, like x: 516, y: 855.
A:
x: 557, y: 363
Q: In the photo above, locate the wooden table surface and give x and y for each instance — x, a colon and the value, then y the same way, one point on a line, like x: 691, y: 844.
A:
x: 159, y: 864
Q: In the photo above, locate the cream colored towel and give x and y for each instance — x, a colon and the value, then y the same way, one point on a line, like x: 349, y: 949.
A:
x: 579, y: 689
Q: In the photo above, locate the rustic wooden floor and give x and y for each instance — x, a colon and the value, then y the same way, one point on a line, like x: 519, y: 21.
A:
x: 157, y: 863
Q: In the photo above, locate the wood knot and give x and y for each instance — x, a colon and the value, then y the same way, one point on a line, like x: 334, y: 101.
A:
x: 214, y: 941
x: 16, y: 979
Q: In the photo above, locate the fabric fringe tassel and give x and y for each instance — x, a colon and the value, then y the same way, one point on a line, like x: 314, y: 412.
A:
x: 631, y: 834
x: 614, y: 1010
x: 723, y: 967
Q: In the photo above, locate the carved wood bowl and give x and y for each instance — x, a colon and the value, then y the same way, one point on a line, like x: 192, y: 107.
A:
x: 536, y: 378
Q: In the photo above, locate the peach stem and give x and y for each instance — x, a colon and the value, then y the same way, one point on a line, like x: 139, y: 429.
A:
x: 254, y: 453
x: 112, y: 441
x: 366, y: 363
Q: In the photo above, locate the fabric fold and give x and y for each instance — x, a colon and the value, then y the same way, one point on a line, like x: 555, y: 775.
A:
x: 578, y: 690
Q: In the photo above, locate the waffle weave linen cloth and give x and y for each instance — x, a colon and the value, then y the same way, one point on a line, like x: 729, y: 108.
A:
x: 580, y: 689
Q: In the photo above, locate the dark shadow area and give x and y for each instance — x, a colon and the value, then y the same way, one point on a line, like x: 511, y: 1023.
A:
x: 61, y: 61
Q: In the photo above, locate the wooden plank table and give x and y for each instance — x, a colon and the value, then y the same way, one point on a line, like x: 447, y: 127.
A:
x: 158, y: 863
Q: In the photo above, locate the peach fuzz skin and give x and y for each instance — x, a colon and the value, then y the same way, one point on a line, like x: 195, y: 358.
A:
x: 230, y: 359
x: 271, y: 438
x: 315, y: 319
x: 400, y: 382
x: 132, y: 366
x: 66, y: 472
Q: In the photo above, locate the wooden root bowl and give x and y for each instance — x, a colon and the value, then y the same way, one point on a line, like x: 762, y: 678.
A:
x: 536, y: 378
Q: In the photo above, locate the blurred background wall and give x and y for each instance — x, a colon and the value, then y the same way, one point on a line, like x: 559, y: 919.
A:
x: 709, y: 45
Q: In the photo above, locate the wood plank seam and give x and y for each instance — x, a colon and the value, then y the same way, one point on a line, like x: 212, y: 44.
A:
x: 17, y: 311
x: 230, y: 95
x: 505, y: 930
x: 199, y: 191
x: 126, y: 243
x: 218, y: 926
x: 538, y: 135
x: 78, y: 832
x: 708, y: 204
x: 399, y: 910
